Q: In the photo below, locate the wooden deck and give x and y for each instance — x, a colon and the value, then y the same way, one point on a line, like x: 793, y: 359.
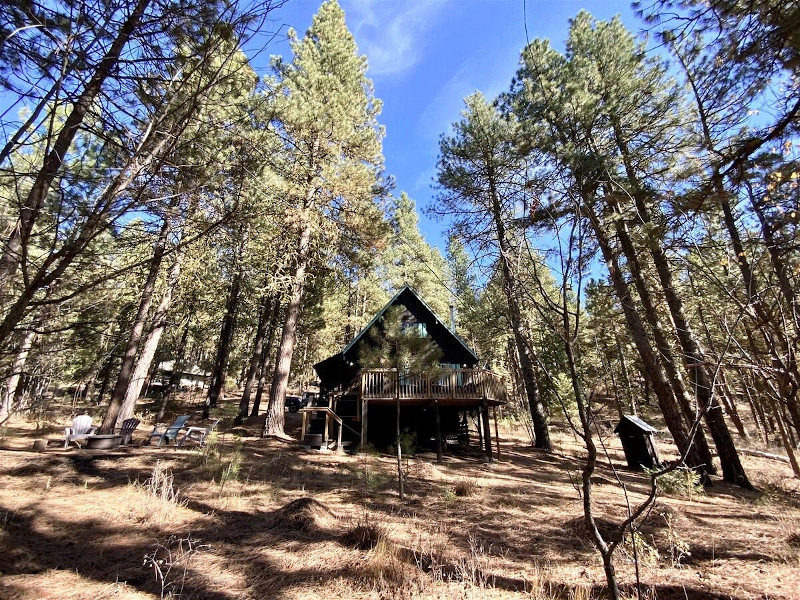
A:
x: 452, y: 386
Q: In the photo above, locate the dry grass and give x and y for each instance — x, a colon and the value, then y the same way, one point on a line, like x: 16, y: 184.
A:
x: 465, y: 488
x: 294, y: 524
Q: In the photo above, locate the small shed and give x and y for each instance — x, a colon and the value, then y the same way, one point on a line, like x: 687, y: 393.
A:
x: 638, y: 443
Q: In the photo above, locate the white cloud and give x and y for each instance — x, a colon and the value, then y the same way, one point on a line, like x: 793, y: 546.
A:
x: 392, y: 33
x: 445, y: 108
x: 424, y: 182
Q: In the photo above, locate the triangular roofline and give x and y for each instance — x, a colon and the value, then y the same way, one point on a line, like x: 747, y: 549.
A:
x: 391, y: 302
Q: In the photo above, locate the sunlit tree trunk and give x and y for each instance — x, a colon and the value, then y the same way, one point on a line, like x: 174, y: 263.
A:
x: 673, y: 416
x: 280, y: 380
x: 135, y: 336
x: 145, y: 361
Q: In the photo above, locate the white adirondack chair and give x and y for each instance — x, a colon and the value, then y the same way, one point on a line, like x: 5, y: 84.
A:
x: 198, y: 433
x: 80, y: 430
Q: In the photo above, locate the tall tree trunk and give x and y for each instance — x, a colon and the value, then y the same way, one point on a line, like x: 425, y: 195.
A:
x: 524, y: 348
x: 663, y: 345
x: 652, y: 369
x: 273, y: 425
x: 10, y: 386
x: 258, y: 351
x: 150, y: 345
x: 263, y: 369
x: 732, y: 469
x: 128, y: 358
x: 218, y: 376
x: 31, y: 207
x: 177, y: 367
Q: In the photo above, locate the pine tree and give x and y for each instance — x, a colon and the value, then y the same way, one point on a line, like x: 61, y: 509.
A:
x: 479, y: 174
x: 327, y: 117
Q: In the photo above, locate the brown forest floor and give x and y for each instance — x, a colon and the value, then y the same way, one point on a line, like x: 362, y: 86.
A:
x: 81, y: 524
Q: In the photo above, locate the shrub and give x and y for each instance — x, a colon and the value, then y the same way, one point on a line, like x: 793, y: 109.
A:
x: 464, y: 488
x: 680, y: 482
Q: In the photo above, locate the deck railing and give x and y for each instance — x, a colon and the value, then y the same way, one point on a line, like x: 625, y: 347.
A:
x: 384, y: 384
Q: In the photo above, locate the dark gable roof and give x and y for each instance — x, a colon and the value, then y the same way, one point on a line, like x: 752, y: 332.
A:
x: 637, y: 422
x: 391, y: 302
x: 338, y: 361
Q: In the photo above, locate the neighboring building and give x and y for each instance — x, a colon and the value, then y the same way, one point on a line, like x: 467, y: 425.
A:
x: 435, y: 410
x: 191, y: 377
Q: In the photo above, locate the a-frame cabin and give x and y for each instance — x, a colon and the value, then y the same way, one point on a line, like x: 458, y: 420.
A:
x: 435, y: 411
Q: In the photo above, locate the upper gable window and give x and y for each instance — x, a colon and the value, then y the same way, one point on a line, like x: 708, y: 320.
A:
x: 414, y: 328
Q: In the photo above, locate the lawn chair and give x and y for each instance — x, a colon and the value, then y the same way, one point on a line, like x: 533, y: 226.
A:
x: 80, y: 430
x: 198, y: 433
x: 169, y: 433
x: 127, y: 429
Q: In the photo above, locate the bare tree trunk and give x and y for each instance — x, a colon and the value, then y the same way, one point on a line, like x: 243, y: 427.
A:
x: 663, y: 344
x: 263, y: 369
x: 652, y: 369
x: 273, y: 425
x: 218, y: 376
x: 524, y: 347
x: 126, y: 368
x: 732, y: 469
x: 729, y: 402
x: 10, y: 387
x: 150, y: 345
x: 256, y: 357
x: 757, y: 414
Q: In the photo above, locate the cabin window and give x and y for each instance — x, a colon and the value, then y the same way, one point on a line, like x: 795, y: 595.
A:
x: 414, y: 328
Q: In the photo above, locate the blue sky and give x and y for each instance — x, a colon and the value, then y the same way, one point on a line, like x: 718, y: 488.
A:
x: 425, y: 56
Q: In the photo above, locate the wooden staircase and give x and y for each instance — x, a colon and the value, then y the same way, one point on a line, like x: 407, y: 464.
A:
x: 318, y: 426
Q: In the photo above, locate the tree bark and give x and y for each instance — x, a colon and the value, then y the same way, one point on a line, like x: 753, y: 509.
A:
x: 150, y: 345
x: 256, y: 358
x: 663, y: 345
x: 732, y: 469
x: 215, y: 389
x: 263, y: 370
x: 273, y: 425
x: 128, y: 358
x: 524, y: 348
x: 652, y: 369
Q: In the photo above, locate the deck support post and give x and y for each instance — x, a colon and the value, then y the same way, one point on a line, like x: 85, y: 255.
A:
x: 325, y: 435
x: 438, y: 432
x: 303, y: 427
x: 364, y: 406
x: 480, y: 429
x: 487, y: 430
x: 496, y: 432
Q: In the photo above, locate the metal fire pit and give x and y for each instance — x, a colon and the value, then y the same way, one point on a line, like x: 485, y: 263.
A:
x: 103, y: 442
